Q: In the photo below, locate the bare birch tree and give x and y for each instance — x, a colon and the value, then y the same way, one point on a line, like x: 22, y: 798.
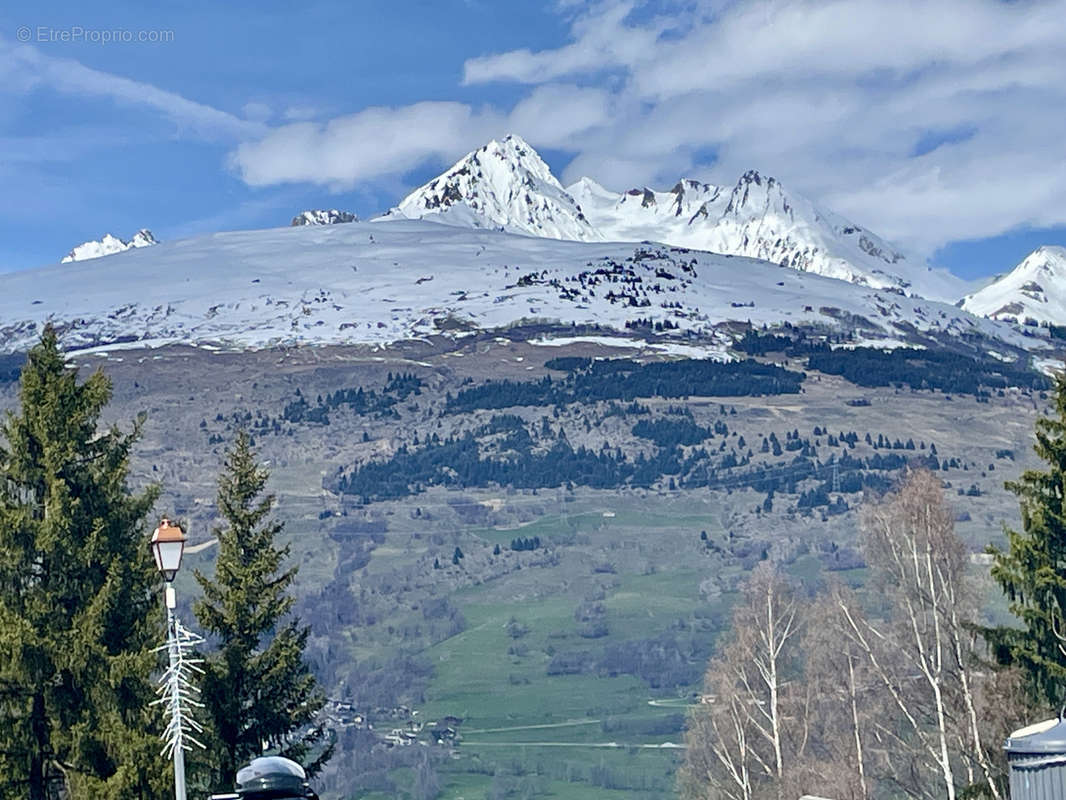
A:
x: 843, y: 710
x: 888, y: 697
x: 744, y: 740
x: 923, y: 653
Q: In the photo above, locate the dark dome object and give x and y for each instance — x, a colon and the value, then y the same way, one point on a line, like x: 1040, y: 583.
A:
x: 272, y: 777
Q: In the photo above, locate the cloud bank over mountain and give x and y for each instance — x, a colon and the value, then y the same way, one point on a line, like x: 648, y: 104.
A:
x: 929, y: 120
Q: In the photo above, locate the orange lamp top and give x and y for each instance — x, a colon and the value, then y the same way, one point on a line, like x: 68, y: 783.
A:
x: 168, y: 533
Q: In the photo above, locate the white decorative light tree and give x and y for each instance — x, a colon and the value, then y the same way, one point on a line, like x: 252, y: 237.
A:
x: 177, y: 691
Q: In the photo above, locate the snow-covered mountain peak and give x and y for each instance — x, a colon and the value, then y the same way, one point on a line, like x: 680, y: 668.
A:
x: 504, y: 184
x: 1050, y: 259
x: 109, y: 245
x: 759, y: 218
x: 1033, y: 290
x: 322, y: 217
x: 756, y: 195
x: 515, y: 153
x: 754, y: 176
x: 588, y: 186
x: 142, y: 238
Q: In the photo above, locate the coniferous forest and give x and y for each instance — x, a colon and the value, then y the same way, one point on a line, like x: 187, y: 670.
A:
x: 82, y: 624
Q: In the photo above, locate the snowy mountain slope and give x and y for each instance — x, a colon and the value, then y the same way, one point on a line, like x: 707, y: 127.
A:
x: 507, y: 185
x: 109, y: 245
x: 504, y: 185
x: 323, y: 217
x: 636, y: 213
x: 1035, y: 289
x: 389, y: 281
x: 758, y: 218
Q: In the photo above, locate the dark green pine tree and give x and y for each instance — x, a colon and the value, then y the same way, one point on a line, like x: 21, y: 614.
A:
x: 257, y: 689
x: 1032, y: 570
x: 79, y: 601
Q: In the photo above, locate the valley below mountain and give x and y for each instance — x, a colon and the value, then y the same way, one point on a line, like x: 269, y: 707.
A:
x: 573, y: 597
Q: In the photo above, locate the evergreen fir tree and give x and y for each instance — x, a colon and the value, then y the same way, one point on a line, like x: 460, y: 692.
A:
x: 257, y: 689
x: 1032, y: 570
x: 79, y: 616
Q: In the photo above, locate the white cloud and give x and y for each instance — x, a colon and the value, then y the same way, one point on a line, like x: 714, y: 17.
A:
x: 602, y: 41
x: 381, y: 142
x: 799, y: 41
x: 369, y: 144
x: 24, y: 68
x: 552, y: 115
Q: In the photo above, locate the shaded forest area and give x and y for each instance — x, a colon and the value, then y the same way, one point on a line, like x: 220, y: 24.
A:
x: 943, y: 370
x: 925, y: 369
x: 504, y: 452
x: 397, y: 388
x: 589, y: 381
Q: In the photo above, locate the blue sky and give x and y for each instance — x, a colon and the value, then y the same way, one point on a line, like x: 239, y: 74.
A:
x: 936, y: 123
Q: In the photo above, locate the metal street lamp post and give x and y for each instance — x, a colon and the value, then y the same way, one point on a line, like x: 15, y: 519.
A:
x: 168, y: 545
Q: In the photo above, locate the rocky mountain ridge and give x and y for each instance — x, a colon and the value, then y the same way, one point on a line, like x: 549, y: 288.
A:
x: 322, y: 217
x: 109, y: 245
